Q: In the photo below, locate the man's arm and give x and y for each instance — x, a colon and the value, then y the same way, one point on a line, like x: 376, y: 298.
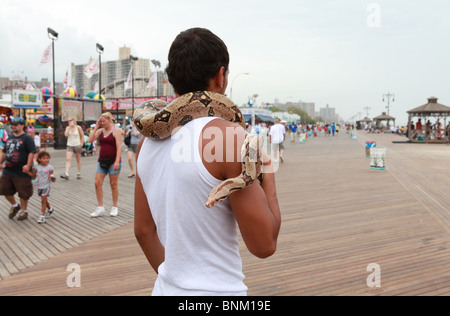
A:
x: 144, y: 225
x: 26, y: 169
x: 255, y: 207
x: 118, y: 137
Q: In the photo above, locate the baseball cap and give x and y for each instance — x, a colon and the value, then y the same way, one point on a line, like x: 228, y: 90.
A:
x: 18, y: 120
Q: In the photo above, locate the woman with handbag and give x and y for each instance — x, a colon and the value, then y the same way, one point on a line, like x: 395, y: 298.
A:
x: 109, y: 161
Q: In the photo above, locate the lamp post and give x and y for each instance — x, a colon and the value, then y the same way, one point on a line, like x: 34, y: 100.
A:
x: 58, y: 132
x: 388, y: 97
x: 157, y: 63
x: 100, y: 50
x: 367, y: 109
x: 231, y: 86
x: 253, y: 130
x: 132, y: 60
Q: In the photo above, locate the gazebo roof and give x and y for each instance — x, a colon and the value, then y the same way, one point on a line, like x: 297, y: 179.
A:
x: 431, y: 107
x: 383, y: 116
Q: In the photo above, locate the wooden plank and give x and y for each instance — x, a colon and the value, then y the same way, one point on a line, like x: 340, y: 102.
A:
x: 338, y: 217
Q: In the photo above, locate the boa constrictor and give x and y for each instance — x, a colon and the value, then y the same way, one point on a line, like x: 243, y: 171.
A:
x: 155, y: 119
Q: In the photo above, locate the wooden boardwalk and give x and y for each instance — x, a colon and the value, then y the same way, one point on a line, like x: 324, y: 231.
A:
x: 338, y: 217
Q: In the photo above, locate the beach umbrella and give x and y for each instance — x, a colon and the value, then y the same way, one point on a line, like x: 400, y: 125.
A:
x: 91, y: 94
x: 44, y: 119
x: 70, y: 92
x: 46, y: 93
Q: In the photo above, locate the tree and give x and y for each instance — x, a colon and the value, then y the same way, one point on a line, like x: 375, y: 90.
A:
x: 305, y: 118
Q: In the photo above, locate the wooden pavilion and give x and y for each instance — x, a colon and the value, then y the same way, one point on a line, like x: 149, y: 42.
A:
x: 430, y: 110
x: 383, y: 117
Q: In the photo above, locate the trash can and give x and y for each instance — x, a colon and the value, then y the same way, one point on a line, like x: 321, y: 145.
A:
x: 302, y: 138
x: 368, y: 146
x: 377, y: 158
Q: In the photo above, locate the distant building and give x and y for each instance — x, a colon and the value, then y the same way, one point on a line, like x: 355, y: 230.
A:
x: 328, y: 114
x: 308, y: 107
x: 20, y: 82
x: 115, y: 74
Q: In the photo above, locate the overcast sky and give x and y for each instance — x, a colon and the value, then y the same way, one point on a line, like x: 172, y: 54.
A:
x: 345, y: 53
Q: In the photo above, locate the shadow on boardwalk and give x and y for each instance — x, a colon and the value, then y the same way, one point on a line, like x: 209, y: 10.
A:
x: 338, y: 217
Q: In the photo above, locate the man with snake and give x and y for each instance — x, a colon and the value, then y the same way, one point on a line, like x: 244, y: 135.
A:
x: 193, y: 245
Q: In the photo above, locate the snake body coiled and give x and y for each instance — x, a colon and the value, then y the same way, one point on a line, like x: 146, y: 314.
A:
x: 157, y: 120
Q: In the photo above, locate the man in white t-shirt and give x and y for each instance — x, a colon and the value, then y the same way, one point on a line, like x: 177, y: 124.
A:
x: 277, y: 135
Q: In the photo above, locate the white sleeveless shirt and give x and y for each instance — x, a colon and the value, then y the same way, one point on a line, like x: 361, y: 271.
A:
x: 201, y: 245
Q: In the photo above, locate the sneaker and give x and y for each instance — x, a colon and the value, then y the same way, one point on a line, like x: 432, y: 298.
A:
x: 64, y: 176
x: 49, y: 213
x: 114, y: 211
x: 78, y: 176
x: 22, y: 216
x: 13, y: 211
x: 281, y: 159
x: 41, y: 219
x: 99, y: 211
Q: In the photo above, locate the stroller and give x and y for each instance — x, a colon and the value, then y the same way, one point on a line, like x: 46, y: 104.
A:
x: 88, y: 149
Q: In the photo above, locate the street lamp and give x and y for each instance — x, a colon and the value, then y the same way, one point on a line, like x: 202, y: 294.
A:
x: 58, y: 133
x: 231, y: 87
x: 132, y: 60
x: 388, y: 97
x: 253, y: 130
x: 100, y: 50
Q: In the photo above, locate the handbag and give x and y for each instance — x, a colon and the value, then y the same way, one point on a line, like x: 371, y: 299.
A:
x: 127, y: 139
x: 105, y: 163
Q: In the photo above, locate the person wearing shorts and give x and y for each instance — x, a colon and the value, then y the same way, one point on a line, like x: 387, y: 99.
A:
x: 44, y: 173
x: 75, y: 143
x: 277, y: 136
x: 109, y: 161
x: 134, y: 141
x: 18, y: 154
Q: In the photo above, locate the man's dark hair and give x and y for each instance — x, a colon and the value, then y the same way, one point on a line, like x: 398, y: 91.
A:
x: 195, y: 57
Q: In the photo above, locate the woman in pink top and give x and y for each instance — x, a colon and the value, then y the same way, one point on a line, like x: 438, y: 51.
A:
x: 109, y: 162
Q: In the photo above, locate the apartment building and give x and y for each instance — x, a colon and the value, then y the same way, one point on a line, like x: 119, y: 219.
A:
x: 115, y: 74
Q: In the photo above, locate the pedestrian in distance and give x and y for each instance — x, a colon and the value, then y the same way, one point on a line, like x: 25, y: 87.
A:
x: 109, y: 162
x: 133, y: 137
x: 293, y: 129
x: 3, y: 136
x: 18, y: 157
x: 44, y: 173
x: 75, y: 143
x: 277, y: 135
x: 194, y: 249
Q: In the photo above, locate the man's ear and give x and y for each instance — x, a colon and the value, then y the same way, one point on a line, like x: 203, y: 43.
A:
x: 217, y: 83
x: 220, y: 78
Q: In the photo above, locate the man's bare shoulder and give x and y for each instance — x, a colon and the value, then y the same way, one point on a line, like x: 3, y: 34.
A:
x: 221, y: 145
x: 224, y: 125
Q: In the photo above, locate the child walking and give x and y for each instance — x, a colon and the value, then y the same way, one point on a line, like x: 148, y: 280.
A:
x: 44, y: 172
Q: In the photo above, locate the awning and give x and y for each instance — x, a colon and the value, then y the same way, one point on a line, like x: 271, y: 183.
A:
x: 259, y: 118
x: 5, y: 104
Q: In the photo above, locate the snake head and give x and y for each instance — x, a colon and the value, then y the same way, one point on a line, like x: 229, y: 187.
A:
x: 137, y: 122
